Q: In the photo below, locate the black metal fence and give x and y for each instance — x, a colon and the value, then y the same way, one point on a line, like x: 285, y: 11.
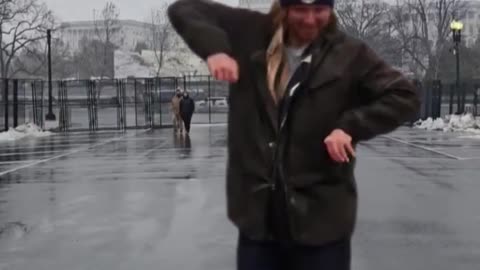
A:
x: 145, y: 102
x: 109, y: 104
x: 442, y: 98
x: 20, y: 102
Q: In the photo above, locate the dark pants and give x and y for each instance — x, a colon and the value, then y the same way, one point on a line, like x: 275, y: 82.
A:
x: 187, y: 119
x: 254, y: 255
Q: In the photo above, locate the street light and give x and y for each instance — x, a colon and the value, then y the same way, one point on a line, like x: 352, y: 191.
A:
x: 50, y: 115
x: 456, y: 27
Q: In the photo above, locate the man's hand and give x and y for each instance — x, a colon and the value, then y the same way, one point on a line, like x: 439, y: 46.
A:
x: 339, y: 146
x: 223, y: 67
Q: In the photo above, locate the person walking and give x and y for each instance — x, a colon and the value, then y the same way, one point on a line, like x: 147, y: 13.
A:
x: 175, y: 107
x: 302, y: 95
x: 187, y: 107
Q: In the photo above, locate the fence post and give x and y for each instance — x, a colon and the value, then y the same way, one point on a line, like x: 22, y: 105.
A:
x: 123, y: 85
x: 436, y: 98
x: 96, y: 96
x: 5, y: 98
x: 426, y: 99
x: 209, y: 103
x: 64, y: 108
x: 476, y: 92
x: 159, y: 89
x: 61, y: 117
x: 184, y: 82
x: 148, y: 102
x: 464, y: 94
x: 450, y: 107
x: 440, y: 99
x: 42, y: 119
x: 89, y: 104
x: 15, y: 103
x: 117, y: 101
x: 459, y: 99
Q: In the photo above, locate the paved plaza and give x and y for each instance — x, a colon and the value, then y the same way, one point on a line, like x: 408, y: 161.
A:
x: 148, y: 199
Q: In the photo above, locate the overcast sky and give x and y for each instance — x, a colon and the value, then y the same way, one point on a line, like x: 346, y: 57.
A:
x: 74, y: 10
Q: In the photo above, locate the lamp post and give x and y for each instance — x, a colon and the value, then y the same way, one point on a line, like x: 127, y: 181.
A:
x: 456, y: 27
x: 50, y: 115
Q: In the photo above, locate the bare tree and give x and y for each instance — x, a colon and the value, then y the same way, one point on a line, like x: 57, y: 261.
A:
x: 106, y: 28
x: 22, y: 23
x: 362, y: 18
x: 368, y: 20
x: 422, y: 29
x: 163, y: 36
x: 32, y: 61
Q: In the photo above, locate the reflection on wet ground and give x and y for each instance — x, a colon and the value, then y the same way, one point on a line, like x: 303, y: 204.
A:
x: 155, y: 200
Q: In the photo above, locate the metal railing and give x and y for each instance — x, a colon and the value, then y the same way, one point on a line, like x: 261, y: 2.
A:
x: 442, y: 98
x: 139, y: 103
x: 133, y: 103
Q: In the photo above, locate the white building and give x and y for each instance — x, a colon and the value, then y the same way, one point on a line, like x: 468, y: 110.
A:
x: 130, y: 33
x: 259, y: 5
x: 471, y: 28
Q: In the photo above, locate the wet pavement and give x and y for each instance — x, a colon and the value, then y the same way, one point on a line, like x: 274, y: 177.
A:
x: 152, y: 200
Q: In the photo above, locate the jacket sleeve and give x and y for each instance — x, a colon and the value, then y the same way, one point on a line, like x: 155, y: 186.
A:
x: 390, y: 99
x: 206, y: 26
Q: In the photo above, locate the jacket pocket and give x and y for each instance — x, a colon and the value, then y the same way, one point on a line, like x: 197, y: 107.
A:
x: 247, y: 197
x: 323, y: 210
x: 333, y: 174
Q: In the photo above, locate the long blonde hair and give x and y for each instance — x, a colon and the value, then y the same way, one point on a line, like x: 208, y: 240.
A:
x: 278, y: 14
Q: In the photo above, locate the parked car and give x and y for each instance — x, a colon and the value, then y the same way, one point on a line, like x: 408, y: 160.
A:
x: 212, y: 104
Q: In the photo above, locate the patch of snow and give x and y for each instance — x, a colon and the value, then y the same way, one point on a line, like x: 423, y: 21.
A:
x: 461, y: 123
x: 470, y: 137
x: 23, y: 131
x: 430, y: 124
x: 466, y: 122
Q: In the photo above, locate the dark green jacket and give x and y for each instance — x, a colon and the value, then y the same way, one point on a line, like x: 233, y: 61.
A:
x: 349, y: 87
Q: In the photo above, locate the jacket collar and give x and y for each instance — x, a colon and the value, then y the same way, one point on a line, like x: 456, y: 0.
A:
x: 325, y: 55
x: 318, y: 50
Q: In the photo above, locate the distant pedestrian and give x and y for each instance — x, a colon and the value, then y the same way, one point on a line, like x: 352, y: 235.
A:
x: 187, y: 107
x: 175, y: 107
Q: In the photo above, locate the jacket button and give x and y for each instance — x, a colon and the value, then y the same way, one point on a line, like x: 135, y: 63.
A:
x: 271, y: 144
